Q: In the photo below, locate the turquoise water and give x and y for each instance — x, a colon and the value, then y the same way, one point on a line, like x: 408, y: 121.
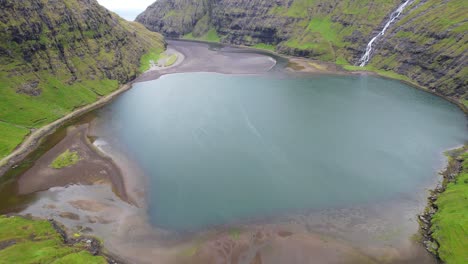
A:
x: 226, y: 148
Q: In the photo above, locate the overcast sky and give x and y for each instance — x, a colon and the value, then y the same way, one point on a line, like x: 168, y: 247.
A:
x: 125, y: 8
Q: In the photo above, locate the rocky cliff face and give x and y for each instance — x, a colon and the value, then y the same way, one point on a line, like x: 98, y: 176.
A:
x: 333, y: 30
x: 429, y: 45
x: 56, y: 55
x: 326, y: 29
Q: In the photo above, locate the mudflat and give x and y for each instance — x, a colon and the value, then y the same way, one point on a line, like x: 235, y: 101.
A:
x: 92, y: 168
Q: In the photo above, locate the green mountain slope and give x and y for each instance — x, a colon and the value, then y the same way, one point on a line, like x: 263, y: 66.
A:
x: 56, y: 56
x: 427, y: 45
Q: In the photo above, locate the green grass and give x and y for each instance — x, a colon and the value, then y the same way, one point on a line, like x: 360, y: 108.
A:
x: 36, y: 241
x: 153, y: 56
x: 171, y: 60
x: 389, y: 74
x: 235, y: 233
x: 298, y: 8
x: 11, y: 136
x: 66, y: 159
x: 210, y: 36
x: 450, y: 223
x: 326, y: 28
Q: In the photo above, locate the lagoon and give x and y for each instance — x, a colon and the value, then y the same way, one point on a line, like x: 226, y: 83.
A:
x: 220, y: 149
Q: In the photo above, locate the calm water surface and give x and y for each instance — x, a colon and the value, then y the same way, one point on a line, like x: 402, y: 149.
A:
x: 223, y: 148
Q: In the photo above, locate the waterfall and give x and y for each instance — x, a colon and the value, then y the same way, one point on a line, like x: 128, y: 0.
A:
x: 366, y: 57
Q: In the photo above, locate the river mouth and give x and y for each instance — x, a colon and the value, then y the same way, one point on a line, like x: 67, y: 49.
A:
x: 271, y: 166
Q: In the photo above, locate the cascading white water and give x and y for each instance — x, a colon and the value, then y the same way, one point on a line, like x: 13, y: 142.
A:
x: 366, y: 57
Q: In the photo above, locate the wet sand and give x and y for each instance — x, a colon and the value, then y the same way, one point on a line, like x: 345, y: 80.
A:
x: 311, y: 66
x: 202, y: 57
x: 92, y: 168
x: 32, y: 142
x: 83, y: 199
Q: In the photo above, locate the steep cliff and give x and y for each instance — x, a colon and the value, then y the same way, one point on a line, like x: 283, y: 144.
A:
x: 428, y: 45
x: 313, y: 28
x: 57, y: 55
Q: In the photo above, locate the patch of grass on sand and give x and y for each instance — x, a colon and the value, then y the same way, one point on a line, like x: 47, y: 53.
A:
x: 66, y: 159
x: 152, y: 56
x: 450, y: 223
x: 295, y: 66
x: 235, y: 233
x: 318, y: 66
x: 36, y: 241
x: 171, y: 60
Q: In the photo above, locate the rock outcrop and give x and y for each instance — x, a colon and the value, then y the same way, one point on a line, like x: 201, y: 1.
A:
x: 423, y: 45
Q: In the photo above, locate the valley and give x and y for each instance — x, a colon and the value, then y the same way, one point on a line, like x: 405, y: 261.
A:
x: 219, y: 131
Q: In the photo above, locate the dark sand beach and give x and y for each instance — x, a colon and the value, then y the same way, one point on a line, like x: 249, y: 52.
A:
x: 92, y: 168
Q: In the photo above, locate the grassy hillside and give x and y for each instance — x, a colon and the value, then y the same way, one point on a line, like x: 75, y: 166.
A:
x: 27, y: 241
x: 56, y: 56
x: 450, y: 223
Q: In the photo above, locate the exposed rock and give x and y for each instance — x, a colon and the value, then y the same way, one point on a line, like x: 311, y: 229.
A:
x: 7, y: 243
x: 91, y: 244
x: 59, y: 230
x: 30, y: 88
x: 69, y: 215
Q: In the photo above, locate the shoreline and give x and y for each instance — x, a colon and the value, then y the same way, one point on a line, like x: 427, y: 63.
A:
x: 35, y: 139
x: 340, y: 70
x: 449, y: 174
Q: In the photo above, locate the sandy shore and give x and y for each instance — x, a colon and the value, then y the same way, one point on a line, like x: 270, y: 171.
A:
x: 201, y: 57
x: 91, y: 169
x: 330, y: 236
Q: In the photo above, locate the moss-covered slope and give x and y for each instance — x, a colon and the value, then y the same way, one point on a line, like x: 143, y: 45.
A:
x: 58, y: 55
x: 36, y: 241
x: 428, y: 45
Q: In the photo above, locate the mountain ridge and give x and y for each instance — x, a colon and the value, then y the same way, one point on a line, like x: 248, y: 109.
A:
x: 422, y: 46
x: 57, y: 56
